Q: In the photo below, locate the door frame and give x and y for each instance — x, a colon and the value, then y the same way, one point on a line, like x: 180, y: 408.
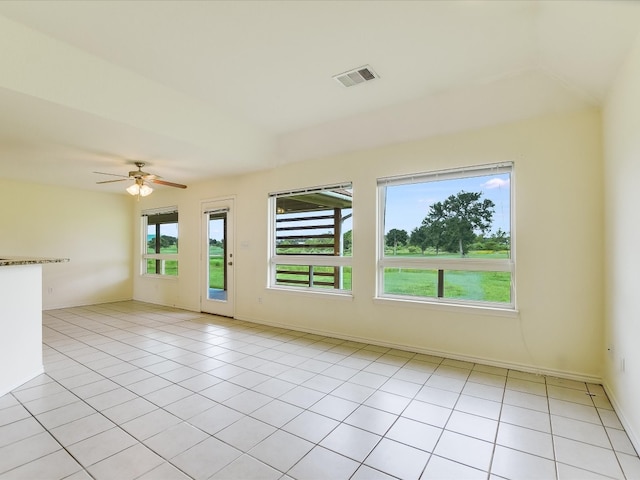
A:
x: 218, y: 307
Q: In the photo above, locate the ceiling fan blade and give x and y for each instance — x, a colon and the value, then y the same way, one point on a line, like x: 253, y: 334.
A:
x: 111, y: 181
x: 112, y: 174
x: 169, y: 184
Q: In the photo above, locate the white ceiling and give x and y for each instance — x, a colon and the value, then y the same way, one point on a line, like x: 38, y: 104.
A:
x: 203, y: 89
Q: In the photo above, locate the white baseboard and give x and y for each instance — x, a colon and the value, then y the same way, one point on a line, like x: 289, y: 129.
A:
x: 633, y: 436
x: 577, y: 376
x: 85, y: 303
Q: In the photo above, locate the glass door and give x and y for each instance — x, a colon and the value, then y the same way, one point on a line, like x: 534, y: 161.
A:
x: 217, y: 295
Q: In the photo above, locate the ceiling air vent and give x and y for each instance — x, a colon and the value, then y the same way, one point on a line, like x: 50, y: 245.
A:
x: 356, y: 76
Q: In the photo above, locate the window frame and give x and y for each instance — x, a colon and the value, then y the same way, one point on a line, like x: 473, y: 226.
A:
x: 446, y: 264
x: 311, y: 260
x: 160, y: 258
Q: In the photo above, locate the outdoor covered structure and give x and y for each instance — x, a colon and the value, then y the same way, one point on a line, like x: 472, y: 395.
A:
x: 311, y: 222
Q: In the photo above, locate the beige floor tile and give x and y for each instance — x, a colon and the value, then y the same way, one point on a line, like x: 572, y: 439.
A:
x: 270, y: 450
x: 27, y: 450
x: 588, y: 457
x: 440, y: 468
x: 323, y: 463
x: 200, y: 463
x: 525, y: 440
x: 525, y: 417
x: 311, y: 426
x: 427, y: 413
x: 351, y: 442
x: 16, y: 431
x: 128, y: 464
x: 150, y: 424
x: 466, y: 450
x: 413, y: 433
x: 365, y: 472
x: 101, y: 446
x: 175, y: 440
x: 388, y: 402
x: 397, y: 459
x: 78, y: 430
x: 164, y: 471
x: 57, y: 465
x: 246, y: 433
x: 277, y: 413
x: 247, y: 467
x: 510, y: 463
x: 473, y: 426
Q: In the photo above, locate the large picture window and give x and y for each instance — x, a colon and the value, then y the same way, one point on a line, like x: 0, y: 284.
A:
x: 447, y: 237
x: 160, y: 242
x: 311, y: 238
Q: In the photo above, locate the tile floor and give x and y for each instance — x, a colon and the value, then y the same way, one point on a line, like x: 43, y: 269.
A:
x: 133, y: 390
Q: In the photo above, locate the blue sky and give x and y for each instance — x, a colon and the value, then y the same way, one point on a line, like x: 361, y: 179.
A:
x: 407, y: 205
x: 216, y: 229
x: 170, y: 229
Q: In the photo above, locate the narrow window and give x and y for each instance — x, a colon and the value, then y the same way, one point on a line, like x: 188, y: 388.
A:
x: 311, y: 232
x: 160, y: 242
x: 447, y: 237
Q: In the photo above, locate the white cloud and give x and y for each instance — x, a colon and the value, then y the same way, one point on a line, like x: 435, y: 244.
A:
x: 496, y: 183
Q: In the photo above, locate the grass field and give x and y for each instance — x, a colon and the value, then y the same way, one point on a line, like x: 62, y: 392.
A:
x: 216, y: 271
x: 170, y: 266
x: 467, y: 285
x: 480, y: 286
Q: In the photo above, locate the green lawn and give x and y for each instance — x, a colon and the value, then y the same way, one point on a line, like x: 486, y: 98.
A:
x: 216, y: 271
x: 480, y: 286
x: 170, y: 266
x: 468, y: 285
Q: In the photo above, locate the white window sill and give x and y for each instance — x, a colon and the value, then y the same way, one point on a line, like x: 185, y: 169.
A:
x: 161, y: 277
x: 339, y: 295
x: 449, y: 307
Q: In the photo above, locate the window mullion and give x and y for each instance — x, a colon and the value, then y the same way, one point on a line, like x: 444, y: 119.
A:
x: 317, y: 260
x: 496, y: 265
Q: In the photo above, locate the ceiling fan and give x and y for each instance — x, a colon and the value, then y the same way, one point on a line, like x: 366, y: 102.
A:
x: 141, y: 180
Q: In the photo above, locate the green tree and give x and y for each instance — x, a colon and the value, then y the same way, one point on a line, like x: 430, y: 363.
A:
x: 452, y: 223
x: 434, y: 226
x: 396, y: 237
x: 502, y: 239
x: 347, y: 240
x: 418, y: 238
x: 167, y: 241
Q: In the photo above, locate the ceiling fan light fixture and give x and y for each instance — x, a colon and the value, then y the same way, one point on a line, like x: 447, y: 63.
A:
x: 145, y: 190
x: 139, y: 189
x: 134, y: 189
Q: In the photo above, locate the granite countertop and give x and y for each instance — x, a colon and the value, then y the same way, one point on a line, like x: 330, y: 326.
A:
x: 4, y: 262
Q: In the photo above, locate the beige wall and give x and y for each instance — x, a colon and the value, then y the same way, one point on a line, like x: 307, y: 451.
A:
x: 93, y: 230
x: 559, y: 279
x: 621, y: 122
